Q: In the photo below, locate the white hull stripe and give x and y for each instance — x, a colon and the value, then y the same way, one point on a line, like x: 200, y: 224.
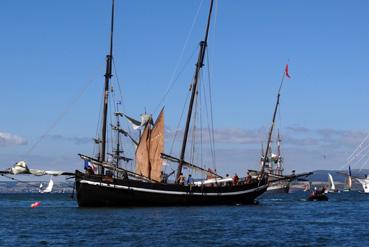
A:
x: 171, y: 192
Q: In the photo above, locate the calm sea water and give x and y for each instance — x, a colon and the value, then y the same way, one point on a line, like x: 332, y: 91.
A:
x: 278, y: 220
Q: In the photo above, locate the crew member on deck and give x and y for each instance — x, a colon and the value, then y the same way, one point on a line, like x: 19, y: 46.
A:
x: 189, y: 180
x: 181, y: 179
x: 235, y: 179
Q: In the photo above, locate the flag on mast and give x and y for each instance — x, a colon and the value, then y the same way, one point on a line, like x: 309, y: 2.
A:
x: 286, y: 71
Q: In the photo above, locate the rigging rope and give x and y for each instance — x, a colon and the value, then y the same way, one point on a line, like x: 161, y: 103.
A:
x: 118, y: 83
x: 360, y: 152
x: 194, y: 127
x: 174, y: 78
x: 127, y: 127
x: 201, y: 97
x: 366, y: 162
x: 67, y: 108
x: 96, y: 147
x: 357, y: 149
x: 179, y: 122
x: 363, y: 156
x: 211, y: 127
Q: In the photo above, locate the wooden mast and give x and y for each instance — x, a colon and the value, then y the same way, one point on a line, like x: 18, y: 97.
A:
x: 272, y: 126
x: 199, y: 65
x: 108, y: 75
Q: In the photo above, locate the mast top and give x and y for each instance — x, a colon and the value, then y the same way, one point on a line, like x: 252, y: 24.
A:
x: 112, y: 29
x: 108, y: 75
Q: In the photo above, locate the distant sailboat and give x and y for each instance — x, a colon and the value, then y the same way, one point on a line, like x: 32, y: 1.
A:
x: 49, y: 187
x: 331, y: 186
x: 273, y: 163
x: 348, y: 181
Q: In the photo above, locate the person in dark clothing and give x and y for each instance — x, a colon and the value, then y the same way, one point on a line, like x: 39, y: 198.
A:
x: 235, y: 179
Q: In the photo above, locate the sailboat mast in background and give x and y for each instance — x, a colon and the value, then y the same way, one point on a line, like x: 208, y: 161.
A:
x: 273, y: 123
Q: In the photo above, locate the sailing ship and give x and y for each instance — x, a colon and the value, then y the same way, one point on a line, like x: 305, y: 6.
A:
x: 273, y: 163
x: 49, y: 187
x: 331, y: 186
x: 112, y: 185
x: 348, y: 181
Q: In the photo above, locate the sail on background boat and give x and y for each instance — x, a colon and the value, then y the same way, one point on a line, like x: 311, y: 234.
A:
x: 331, y: 185
x: 49, y: 187
x: 348, y: 181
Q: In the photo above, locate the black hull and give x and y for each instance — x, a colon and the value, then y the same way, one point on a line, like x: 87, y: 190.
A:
x: 95, y: 191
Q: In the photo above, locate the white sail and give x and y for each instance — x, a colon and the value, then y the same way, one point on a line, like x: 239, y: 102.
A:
x: 49, y: 187
x: 348, y: 183
x: 331, y: 185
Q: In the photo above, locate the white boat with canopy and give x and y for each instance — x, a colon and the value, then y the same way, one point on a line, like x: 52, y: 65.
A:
x: 365, y: 183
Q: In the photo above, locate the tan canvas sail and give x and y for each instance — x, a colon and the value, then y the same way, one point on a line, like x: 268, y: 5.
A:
x: 142, y: 153
x: 157, y: 147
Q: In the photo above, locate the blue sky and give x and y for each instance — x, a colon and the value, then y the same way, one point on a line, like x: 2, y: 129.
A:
x: 53, y: 60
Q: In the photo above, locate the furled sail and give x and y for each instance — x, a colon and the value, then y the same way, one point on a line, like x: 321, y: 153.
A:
x: 22, y: 168
x: 156, y: 147
x: 145, y: 118
x: 142, y: 153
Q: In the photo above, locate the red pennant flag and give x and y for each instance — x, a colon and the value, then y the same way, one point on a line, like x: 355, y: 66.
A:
x: 286, y: 71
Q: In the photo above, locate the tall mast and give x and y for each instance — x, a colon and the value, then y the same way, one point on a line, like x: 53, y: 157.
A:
x: 108, y: 75
x: 199, y: 65
x: 273, y: 123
